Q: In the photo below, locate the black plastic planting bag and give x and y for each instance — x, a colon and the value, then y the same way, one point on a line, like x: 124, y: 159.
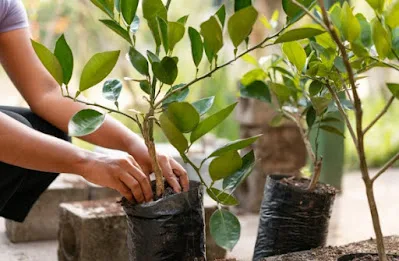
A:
x: 291, y: 219
x: 169, y: 229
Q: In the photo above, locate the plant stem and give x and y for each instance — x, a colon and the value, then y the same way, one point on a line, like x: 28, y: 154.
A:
x: 386, y: 166
x: 209, y: 74
x: 379, y: 116
x: 197, y: 169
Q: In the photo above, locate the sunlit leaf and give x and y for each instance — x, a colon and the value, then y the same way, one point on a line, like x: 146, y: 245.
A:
x: 112, y: 89
x: 183, y: 115
x: 85, y: 122
x: 241, y: 23
x: 204, y: 105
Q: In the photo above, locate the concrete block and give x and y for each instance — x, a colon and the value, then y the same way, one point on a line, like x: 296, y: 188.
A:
x: 42, y: 221
x: 92, y: 231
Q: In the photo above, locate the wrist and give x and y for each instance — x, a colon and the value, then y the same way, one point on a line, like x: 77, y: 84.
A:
x: 81, y: 162
x: 138, y: 150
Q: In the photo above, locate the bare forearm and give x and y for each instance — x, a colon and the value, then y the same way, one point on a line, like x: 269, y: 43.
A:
x: 24, y: 147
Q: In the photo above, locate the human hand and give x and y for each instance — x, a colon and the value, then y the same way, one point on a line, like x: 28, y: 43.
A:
x: 121, y: 173
x: 174, y: 173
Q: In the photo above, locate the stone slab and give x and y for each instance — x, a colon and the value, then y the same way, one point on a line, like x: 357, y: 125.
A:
x: 42, y: 221
x: 92, y: 231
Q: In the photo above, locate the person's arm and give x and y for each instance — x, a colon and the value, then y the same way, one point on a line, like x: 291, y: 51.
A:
x: 43, y: 95
x: 24, y: 147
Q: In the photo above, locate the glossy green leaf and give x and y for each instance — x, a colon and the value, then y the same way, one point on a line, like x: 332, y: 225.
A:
x: 339, y: 64
x: 166, y: 71
x: 225, y: 165
x: 112, y: 89
x: 151, y: 10
x: 234, y: 146
x: 294, y: 12
x: 129, y: 8
x: 145, y: 86
x: 221, y: 14
x: 222, y: 197
x: 138, y: 61
x: 197, y: 46
x: 233, y: 181
x: 65, y: 57
x: 281, y: 91
x: 85, y: 122
x: 391, y: 14
x: 241, y: 23
x: 241, y: 4
x: 381, y: 38
x: 256, y: 90
x: 295, y: 54
x: 49, y: 60
x: 117, y: 29
x: 183, y: 115
x: 107, y: 6
x: 252, y: 76
x: 394, y: 88
x: 97, y: 68
x: 350, y: 24
x: 175, y: 137
x: 213, y: 37
x: 176, y: 97
x: 183, y: 20
x: 175, y: 34
x: 152, y: 57
x: 335, y: 15
x: 377, y: 5
x: 163, y: 27
x: 298, y: 34
x: 320, y: 104
x: 315, y: 88
x: 204, y: 105
x: 211, y: 122
x: 365, y: 35
x: 225, y: 228
x: 311, y: 117
x: 332, y: 130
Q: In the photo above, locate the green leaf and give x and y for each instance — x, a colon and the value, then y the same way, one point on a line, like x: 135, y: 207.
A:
x: 151, y: 10
x: 315, y: 88
x: 175, y: 137
x: 145, y: 86
x: 166, y: 71
x: 213, y: 37
x: 256, y: 90
x: 339, y: 64
x: 222, y: 197
x: 163, y: 27
x: 377, y: 5
x: 350, y: 24
x: 250, y: 59
x: 152, y: 57
x: 241, y: 4
x: 381, y: 38
x: 197, y: 46
x: 221, y: 14
x: 107, y: 6
x: 310, y: 117
x: 234, y: 146
x: 118, y: 5
x: 392, y: 14
x: 211, y: 122
x: 282, y: 91
x: 332, y: 129
x: 295, y: 54
x: 204, y: 105
x: 183, y: 115
x: 117, y: 29
x: 394, y: 88
x: 225, y: 165
x: 175, y: 34
x: 241, y: 23
x: 112, y: 89
x: 97, y: 68
x: 233, y: 181
x: 49, y: 60
x: 225, y: 228
x: 294, y: 12
x: 129, y: 8
x: 252, y: 76
x: 298, y: 34
x: 138, y: 61
x: 183, y: 20
x: 276, y: 121
x: 65, y: 57
x: 85, y: 122
x: 335, y: 14
x: 135, y: 25
x: 320, y: 104
x: 176, y: 97
x: 365, y: 35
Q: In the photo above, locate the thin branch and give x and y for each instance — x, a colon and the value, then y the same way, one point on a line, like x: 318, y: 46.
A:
x: 393, y: 66
x: 386, y: 167
x: 209, y: 74
x: 315, y: 19
x: 379, y: 116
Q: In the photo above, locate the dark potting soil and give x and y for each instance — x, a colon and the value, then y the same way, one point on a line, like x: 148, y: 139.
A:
x: 168, y: 192
x: 373, y: 258
x: 302, y: 184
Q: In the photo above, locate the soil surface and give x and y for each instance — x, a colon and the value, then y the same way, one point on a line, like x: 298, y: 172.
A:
x: 333, y: 253
x: 373, y: 258
x: 302, y: 184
